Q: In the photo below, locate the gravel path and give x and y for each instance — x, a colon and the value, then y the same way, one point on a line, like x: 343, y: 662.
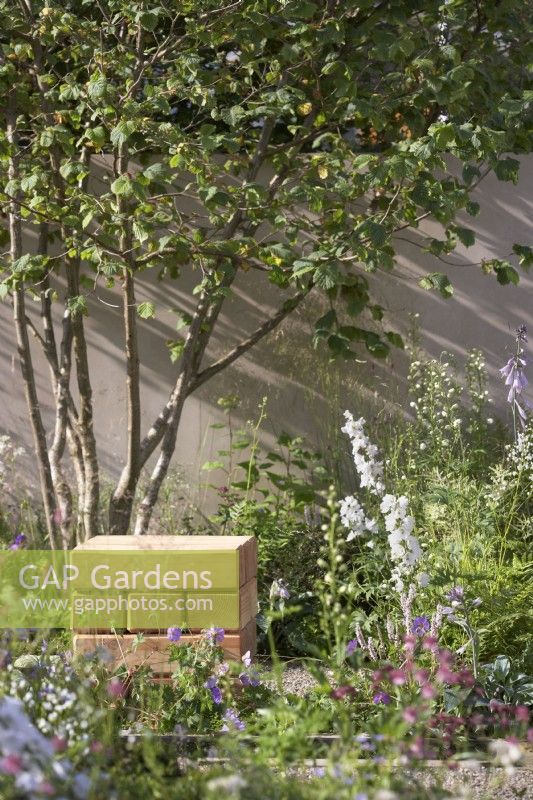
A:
x: 482, y: 783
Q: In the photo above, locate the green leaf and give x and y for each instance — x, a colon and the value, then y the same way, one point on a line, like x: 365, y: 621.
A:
x: 395, y: 339
x: 212, y: 196
x: 122, y: 186
x: 374, y: 231
x: 98, y: 136
x: 146, y: 310
x: 507, y: 169
x: 26, y: 661
x: 211, y: 465
x: 325, y: 323
x: 122, y: 132
x: 29, y: 182
x: 443, y: 134
x: 506, y: 273
x: 525, y: 255
x: 149, y: 19
x: 465, y: 235
x: 326, y: 276
x: 139, y: 231
x: 46, y: 138
x: 97, y: 86
x: 375, y: 345
x: 77, y: 306
x: 436, y: 280
x: 155, y: 171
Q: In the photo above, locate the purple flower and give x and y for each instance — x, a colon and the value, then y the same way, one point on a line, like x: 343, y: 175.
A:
x: 351, y: 647
x: 214, y: 635
x: 381, y: 698
x: 249, y: 679
x: 318, y: 772
x: 174, y: 634
x: 420, y: 626
x: 521, y: 334
x: 255, y: 680
x: 216, y: 695
x: 232, y: 721
x: 456, y: 595
x: 18, y: 542
x: 514, y: 374
x: 211, y: 682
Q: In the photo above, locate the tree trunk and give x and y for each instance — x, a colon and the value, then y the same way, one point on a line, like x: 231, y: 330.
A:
x: 23, y: 345
x: 121, y: 501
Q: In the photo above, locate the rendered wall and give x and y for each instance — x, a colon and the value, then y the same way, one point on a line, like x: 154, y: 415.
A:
x: 306, y: 394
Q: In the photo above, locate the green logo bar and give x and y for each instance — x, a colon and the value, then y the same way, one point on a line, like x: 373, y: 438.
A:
x: 120, y: 589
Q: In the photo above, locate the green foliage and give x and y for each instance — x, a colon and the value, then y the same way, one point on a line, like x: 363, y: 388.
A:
x: 356, y: 110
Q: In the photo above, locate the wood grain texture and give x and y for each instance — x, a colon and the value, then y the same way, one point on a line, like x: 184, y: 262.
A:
x: 248, y: 602
x: 152, y: 652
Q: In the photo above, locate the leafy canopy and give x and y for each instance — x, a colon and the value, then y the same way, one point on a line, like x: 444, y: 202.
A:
x: 291, y: 137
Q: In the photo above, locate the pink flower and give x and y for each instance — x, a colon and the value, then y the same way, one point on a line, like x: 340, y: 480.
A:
x: 422, y: 676
x: 445, y: 675
x: 397, y: 677
x: 410, y: 714
x: 465, y: 678
x: 11, y: 764
x: 428, y: 692
x: 96, y: 747
x: 530, y: 735
x: 409, y: 643
x: 59, y: 743
x: 116, y: 688
x: 429, y: 642
x: 341, y: 692
x: 46, y: 788
x: 521, y: 714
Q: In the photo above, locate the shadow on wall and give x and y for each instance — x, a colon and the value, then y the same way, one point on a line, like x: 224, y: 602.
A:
x: 306, y: 393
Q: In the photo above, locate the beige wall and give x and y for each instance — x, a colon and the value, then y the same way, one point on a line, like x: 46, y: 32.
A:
x: 306, y: 394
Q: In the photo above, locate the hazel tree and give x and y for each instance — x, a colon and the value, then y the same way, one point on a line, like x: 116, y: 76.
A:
x: 290, y: 138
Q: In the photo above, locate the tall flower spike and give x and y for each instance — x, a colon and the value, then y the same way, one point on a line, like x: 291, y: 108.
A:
x: 515, y: 378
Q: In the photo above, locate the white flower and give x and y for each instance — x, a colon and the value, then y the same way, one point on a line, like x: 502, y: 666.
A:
x: 353, y: 517
x: 423, y: 580
x: 505, y: 753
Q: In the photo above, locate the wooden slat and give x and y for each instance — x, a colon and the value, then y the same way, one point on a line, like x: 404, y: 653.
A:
x: 248, y: 637
x: 152, y: 652
x: 248, y: 602
x: 248, y: 559
x: 165, y: 543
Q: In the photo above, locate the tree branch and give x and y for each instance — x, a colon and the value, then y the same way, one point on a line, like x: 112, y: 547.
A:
x: 260, y: 332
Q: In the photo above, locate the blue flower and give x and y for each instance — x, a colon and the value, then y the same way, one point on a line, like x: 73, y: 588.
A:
x: 232, y: 721
x: 420, y: 626
x: 174, y: 634
x: 216, y: 694
x: 351, y: 647
x: 18, y: 542
x: 214, y: 635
